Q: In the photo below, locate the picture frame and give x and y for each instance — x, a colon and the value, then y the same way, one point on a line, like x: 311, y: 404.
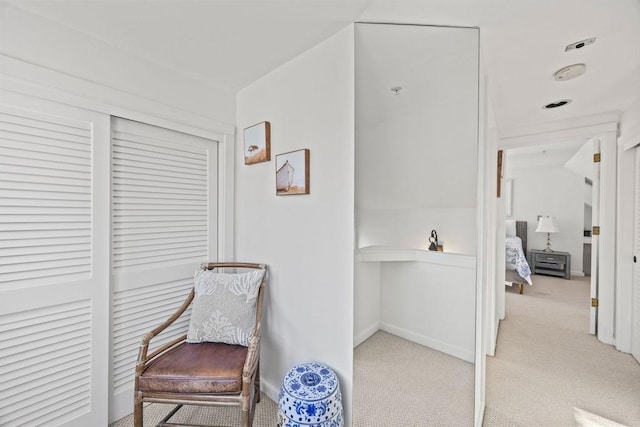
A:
x: 292, y: 173
x: 257, y: 143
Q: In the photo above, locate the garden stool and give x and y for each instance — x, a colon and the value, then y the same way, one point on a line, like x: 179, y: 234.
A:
x: 310, y: 396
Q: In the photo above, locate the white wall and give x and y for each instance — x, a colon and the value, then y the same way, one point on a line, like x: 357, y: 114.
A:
x: 629, y: 137
x: 307, y: 240
x: 630, y: 124
x: 42, y: 42
x: 417, y: 151
x: 551, y: 191
x: 411, y: 228
x: 431, y: 304
x: 366, y: 316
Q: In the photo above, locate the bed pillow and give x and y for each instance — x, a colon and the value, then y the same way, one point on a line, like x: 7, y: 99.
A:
x: 511, y: 227
x: 224, y: 307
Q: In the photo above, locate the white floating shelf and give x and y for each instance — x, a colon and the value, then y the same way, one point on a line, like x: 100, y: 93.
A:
x: 390, y: 254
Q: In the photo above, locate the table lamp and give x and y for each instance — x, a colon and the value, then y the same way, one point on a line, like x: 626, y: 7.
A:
x: 547, y: 224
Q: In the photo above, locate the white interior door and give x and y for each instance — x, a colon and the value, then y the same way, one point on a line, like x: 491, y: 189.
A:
x: 635, y: 338
x: 54, y: 288
x: 164, y: 225
x: 595, y: 219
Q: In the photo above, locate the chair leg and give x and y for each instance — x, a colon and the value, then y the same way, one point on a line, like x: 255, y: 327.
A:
x: 246, y: 416
x: 137, y: 412
x: 257, y: 383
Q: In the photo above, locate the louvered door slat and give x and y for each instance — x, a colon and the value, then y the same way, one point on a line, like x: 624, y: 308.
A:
x: 43, y: 162
x: 161, y: 147
x: 125, y: 170
x: 138, y: 311
x: 67, y: 355
x: 10, y: 119
x: 53, y: 190
x: 25, y: 340
x: 163, y: 219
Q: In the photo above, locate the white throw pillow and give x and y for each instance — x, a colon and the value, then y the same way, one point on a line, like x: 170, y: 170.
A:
x: 511, y: 227
x: 224, y: 307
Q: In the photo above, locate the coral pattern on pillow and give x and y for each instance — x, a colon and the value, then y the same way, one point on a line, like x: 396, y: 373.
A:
x: 224, y: 308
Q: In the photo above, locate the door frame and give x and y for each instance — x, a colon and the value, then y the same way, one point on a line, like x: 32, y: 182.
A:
x: 605, y: 128
x: 635, y: 274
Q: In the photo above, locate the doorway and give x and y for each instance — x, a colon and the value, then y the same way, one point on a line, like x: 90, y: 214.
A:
x: 606, y: 133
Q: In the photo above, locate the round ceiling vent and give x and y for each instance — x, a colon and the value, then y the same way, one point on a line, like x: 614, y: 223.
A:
x: 569, y: 72
x: 557, y: 104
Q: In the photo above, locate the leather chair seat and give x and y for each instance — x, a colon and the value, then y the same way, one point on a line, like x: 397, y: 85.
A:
x: 197, y: 368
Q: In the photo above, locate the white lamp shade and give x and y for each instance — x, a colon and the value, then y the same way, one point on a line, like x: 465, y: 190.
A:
x: 547, y: 224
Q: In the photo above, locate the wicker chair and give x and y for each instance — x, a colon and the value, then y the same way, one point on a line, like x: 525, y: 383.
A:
x: 209, y: 374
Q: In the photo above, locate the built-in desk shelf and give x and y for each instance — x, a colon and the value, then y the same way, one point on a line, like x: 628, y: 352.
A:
x: 391, y: 254
x: 423, y: 296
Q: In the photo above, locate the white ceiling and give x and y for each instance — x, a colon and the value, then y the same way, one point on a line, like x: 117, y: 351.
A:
x: 547, y: 154
x: 228, y: 44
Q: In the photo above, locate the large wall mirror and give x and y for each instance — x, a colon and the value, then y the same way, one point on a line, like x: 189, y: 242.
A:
x: 416, y: 169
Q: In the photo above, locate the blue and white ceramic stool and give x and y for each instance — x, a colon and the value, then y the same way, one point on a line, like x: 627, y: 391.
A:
x: 310, y: 396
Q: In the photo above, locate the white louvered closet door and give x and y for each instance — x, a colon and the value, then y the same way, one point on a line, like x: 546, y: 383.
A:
x: 54, y: 289
x: 635, y: 339
x: 164, y: 225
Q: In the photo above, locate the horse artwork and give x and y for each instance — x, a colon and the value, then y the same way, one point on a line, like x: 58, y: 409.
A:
x: 257, y: 143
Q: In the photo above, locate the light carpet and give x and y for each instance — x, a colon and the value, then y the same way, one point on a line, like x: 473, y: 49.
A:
x: 396, y: 383
x: 266, y: 415
x: 549, y: 371
x: 401, y: 383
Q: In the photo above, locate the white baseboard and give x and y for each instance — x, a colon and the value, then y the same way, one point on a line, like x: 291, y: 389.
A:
x: 452, y: 350
x: 492, y: 347
x: 270, y: 390
x: 577, y: 273
x: 121, y: 405
x: 479, y: 414
x: 362, y: 336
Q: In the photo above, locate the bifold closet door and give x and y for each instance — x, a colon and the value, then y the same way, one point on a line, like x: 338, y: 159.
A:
x: 54, y: 278
x: 164, y: 225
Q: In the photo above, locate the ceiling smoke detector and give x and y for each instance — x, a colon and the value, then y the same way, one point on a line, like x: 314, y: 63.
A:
x: 580, y: 44
x: 569, y: 72
x: 557, y: 104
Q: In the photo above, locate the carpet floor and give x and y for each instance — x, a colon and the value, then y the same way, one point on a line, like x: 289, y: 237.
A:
x: 396, y: 383
x: 266, y: 415
x: 400, y: 383
x: 549, y: 371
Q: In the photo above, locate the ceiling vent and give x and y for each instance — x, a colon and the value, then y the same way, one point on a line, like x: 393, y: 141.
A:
x: 557, y: 104
x: 569, y: 72
x: 580, y: 44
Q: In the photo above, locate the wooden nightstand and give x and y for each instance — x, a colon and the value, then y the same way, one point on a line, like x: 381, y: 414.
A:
x: 550, y: 263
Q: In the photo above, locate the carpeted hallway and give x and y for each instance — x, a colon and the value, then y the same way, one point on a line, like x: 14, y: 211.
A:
x: 547, y: 363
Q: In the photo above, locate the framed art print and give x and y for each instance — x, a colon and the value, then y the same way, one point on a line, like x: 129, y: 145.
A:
x: 292, y: 173
x: 257, y: 143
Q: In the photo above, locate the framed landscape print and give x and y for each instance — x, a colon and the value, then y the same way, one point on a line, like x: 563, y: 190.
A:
x: 257, y: 143
x: 292, y: 173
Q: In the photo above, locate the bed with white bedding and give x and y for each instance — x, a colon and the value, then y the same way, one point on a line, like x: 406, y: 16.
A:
x: 517, y: 270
